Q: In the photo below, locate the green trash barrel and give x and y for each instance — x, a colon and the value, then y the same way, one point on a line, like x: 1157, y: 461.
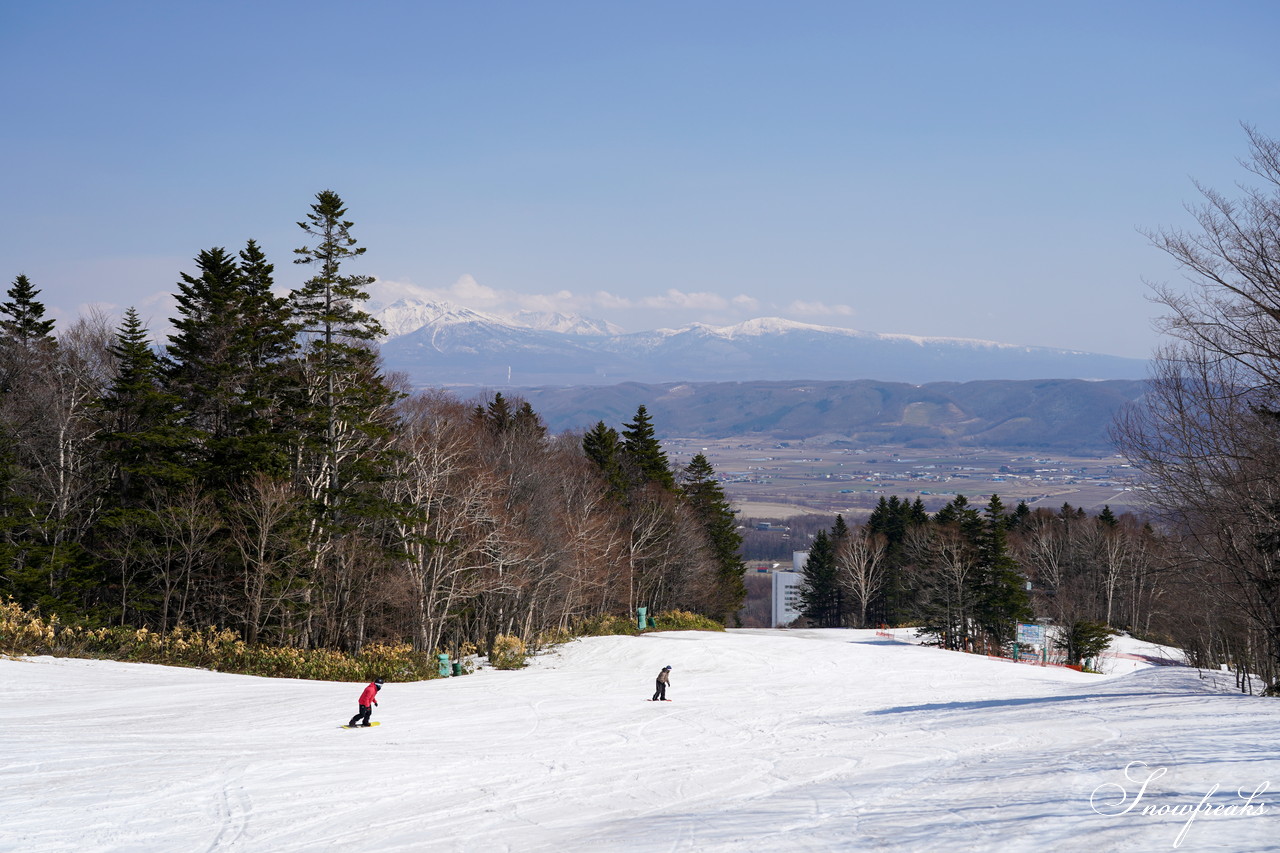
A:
x: 457, y: 668
x: 444, y: 665
x: 652, y: 624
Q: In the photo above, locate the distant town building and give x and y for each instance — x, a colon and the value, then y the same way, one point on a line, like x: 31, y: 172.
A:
x: 786, y: 598
x: 786, y: 590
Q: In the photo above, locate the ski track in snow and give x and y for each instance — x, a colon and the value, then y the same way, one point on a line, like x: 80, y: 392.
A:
x: 774, y: 740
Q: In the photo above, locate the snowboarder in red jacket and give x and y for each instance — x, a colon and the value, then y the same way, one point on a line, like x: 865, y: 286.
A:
x: 368, y: 699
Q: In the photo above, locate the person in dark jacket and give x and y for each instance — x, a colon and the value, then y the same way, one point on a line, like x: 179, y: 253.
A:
x: 368, y: 699
x: 664, y: 678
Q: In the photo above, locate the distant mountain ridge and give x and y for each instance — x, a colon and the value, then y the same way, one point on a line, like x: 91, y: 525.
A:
x: 437, y: 343
x: 1063, y: 415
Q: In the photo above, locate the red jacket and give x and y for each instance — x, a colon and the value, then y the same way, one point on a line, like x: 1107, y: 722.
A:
x: 370, y: 695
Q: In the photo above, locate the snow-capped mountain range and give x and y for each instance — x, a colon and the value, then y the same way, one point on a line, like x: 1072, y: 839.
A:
x: 439, y: 343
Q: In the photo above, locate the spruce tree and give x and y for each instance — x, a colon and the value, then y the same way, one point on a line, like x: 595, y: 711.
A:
x: 270, y: 387
x: 716, y: 516
x: 602, y: 445
x: 839, y: 532
x: 894, y: 518
x: 147, y: 450
x: 143, y: 440
x: 819, y: 586
x: 497, y: 416
x: 644, y: 454
x: 1001, y: 598
x: 1021, y: 516
x: 16, y: 510
x: 202, y: 372
x: 26, y: 326
x: 345, y: 420
x: 917, y: 514
x: 1083, y: 639
x: 24, y: 332
x: 527, y: 422
x: 350, y: 397
x: 231, y: 340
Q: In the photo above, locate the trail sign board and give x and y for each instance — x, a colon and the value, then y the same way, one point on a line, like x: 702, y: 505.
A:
x: 1029, y: 634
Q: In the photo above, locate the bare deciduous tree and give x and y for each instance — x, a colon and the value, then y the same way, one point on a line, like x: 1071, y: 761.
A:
x: 860, y: 561
x: 1208, y: 431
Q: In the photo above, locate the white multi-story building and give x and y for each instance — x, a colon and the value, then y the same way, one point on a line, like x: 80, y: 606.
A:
x: 786, y: 591
x: 786, y: 598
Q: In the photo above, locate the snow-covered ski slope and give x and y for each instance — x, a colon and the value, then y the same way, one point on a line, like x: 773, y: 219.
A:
x: 775, y: 740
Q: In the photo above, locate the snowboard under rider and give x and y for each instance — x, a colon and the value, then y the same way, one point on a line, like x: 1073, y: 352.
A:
x: 368, y: 699
x: 664, y: 678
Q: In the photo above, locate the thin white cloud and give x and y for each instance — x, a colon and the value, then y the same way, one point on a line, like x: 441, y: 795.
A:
x: 471, y: 293
x: 677, y: 299
x: 604, y: 299
x: 818, y: 309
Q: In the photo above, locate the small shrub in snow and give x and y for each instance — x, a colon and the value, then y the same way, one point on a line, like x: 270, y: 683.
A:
x: 607, y: 626
x: 683, y: 620
x: 1083, y: 639
x: 508, y: 653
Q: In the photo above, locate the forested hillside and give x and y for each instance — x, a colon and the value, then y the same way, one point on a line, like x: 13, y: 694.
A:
x: 1052, y: 415
x: 260, y: 472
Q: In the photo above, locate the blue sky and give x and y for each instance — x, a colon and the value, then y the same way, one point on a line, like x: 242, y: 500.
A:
x: 965, y: 169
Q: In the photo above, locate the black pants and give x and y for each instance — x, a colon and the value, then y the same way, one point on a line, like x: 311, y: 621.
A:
x: 362, y: 717
x: 661, y: 692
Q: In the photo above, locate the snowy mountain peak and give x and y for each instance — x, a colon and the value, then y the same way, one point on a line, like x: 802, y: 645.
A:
x: 772, y: 326
x: 410, y: 314
x: 565, y: 324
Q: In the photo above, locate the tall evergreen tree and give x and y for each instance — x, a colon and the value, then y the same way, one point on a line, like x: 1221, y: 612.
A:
x: 269, y: 389
x: 716, y: 516
x: 602, y: 445
x: 962, y: 514
x: 347, y: 389
x: 894, y: 519
x: 26, y: 325
x: 496, y: 416
x: 840, y: 532
x: 917, y: 514
x: 147, y: 449
x: 143, y: 440
x: 526, y: 421
x: 345, y: 423
x: 1001, y: 597
x: 202, y: 370
x: 1021, y: 516
x: 24, y: 332
x: 230, y: 340
x: 644, y: 454
x: 820, y: 598
x: 15, y: 510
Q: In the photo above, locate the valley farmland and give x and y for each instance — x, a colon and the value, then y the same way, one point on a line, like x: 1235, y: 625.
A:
x: 767, y: 478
